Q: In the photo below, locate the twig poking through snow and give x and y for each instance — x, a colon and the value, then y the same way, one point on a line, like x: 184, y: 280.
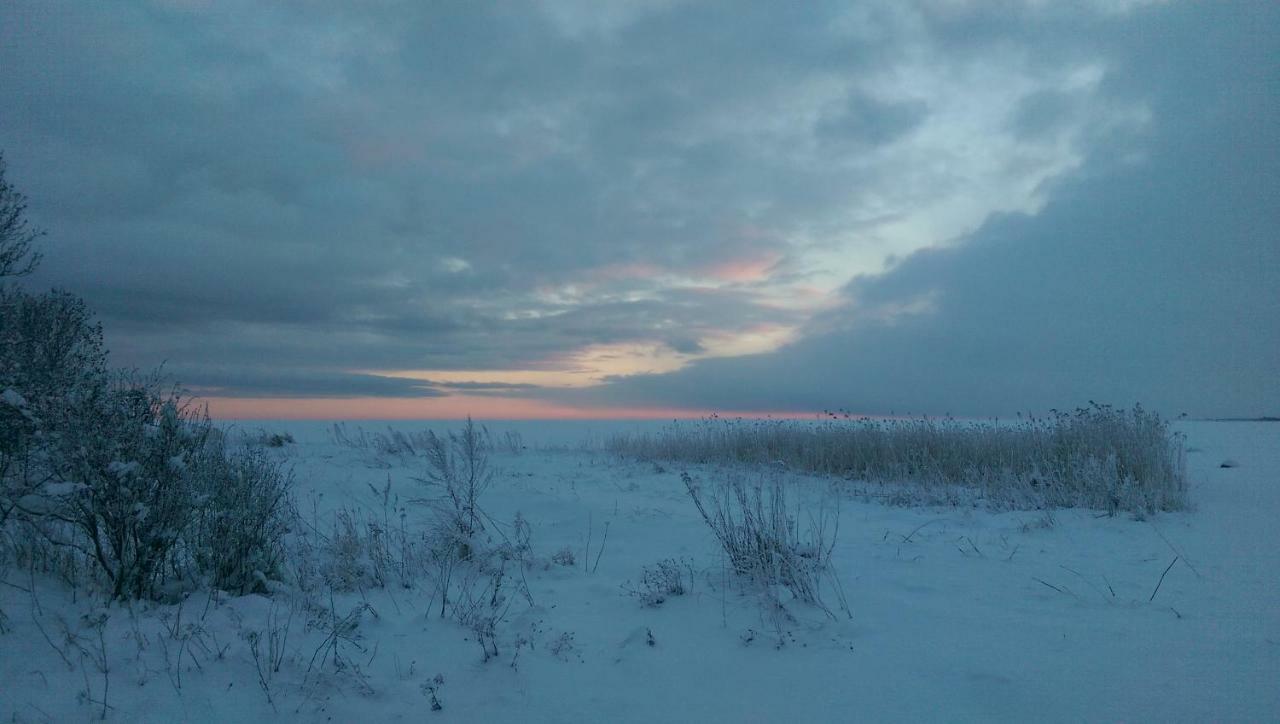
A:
x: 975, y: 546
x: 1059, y: 590
x: 1162, y: 575
x: 1176, y: 552
x: 1089, y: 583
x: 907, y: 538
x: 600, y: 552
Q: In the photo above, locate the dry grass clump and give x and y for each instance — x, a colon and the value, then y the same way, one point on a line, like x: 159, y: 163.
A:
x: 769, y: 541
x: 1098, y: 457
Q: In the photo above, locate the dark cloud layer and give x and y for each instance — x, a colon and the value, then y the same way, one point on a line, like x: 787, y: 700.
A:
x: 252, y: 381
x: 1151, y: 276
x: 1016, y: 205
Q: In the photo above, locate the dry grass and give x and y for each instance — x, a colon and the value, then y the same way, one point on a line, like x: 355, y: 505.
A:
x: 767, y: 539
x: 1097, y: 457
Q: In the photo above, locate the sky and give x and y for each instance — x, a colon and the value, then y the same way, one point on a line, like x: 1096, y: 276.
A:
x: 654, y: 209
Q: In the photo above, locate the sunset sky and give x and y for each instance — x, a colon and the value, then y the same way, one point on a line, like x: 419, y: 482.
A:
x: 653, y: 209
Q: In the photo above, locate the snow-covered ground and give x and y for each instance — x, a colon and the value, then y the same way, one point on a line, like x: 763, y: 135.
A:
x: 957, y: 614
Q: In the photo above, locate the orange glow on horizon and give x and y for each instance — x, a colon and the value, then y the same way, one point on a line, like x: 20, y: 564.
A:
x: 448, y: 408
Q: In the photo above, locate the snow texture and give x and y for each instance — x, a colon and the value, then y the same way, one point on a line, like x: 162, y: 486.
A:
x: 959, y: 614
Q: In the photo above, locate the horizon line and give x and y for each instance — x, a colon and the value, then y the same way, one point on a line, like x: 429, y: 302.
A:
x: 456, y: 408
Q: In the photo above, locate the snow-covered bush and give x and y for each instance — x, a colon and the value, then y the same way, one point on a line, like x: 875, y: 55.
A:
x: 458, y: 466
x: 272, y: 439
x: 159, y: 500
x: 246, y: 510
x: 661, y: 581
x: 360, y: 547
x: 50, y: 345
x: 51, y: 359
x: 131, y: 453
x: 123, y: 474
x: 564, y: 557
x: 116, y: 472
x: 359, y: 552
x: 335, y: 660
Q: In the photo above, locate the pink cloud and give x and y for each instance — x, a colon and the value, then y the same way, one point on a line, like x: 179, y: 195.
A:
x: 752, y: 268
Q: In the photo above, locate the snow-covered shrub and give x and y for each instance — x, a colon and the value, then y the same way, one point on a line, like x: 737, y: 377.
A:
x: 335, y: 660
x: 131, y: 451
x: 356, y: 553
x: 661, y: 581
x: 444, y: 555
x: 1099, y: 456
x: 267, y: 648
x: 110, y: 469
x: 482, y: 601
x: 463, y: 570
x: 272, y: 439
x: 469, y: 554
x: 51, y: 356
x: 364, y: 547
x: 49, y: 344
x: 765, y: 538
x: 22, y: 483
x: 458, y: 466
x: 120, y: 471
x: 245, y: 511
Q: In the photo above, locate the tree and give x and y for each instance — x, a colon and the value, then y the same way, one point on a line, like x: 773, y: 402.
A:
x: 17, y: 258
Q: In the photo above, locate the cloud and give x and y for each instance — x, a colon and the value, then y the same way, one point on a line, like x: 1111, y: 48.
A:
x: 864, y: 120
x: 481, y: 387
x: 1150, y: 276
x: 256, y: 382
x: 270, y: 198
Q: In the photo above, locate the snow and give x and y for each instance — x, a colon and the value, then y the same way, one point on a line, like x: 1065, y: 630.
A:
x: 958, y: 613
x: 13, y: 398
x: 58, y: 490
x: 122, y: 469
